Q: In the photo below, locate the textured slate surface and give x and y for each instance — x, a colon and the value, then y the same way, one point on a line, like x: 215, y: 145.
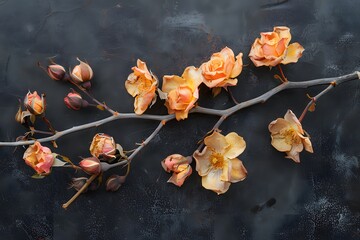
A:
x: 317, y: 199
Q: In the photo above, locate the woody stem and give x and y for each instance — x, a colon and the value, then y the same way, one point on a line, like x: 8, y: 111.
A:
x: 217, y: 112
x: 82, y: 189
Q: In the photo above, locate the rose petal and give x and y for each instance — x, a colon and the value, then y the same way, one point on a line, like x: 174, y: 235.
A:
x: 172, y: 82
x: 294, y: 152
x: 307, y: 144
x: 236, y: 143
x: 292, y: 119
x: 294, y: 156
x: 277, y: 125
x: 142, y: 69
x: 229, y: 60
x: 226, y: 171
x: 193, y: 77
x: 203, y: 164
x: 294, y: 52
x: 228, y: 83
x: 179, y: 178
x: 278, y: 141
x: 217, y: 142
x: 283, y: 32
x: 238, y: 171
x: 237, y: 66
x: 131, y: 85
x: 269, y: 50
x: 212, y: 182
x: 143, y: 101
x: 281, y: 47
x: 270, y: 38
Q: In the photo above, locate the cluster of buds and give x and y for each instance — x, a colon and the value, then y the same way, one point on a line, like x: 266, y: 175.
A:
x: 81, y: 74
x: 103, y: 149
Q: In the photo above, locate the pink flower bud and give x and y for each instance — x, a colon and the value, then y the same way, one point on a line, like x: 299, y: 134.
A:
x: 35, y: 103
x: 56, y: 72
x: 82, y: 72
x: 74, y: 101
x: 172, y: 162
x: 90, y: 165
x: 180, y: 166
x: 114, y: 182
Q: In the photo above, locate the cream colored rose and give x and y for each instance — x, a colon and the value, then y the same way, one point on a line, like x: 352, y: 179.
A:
x: 222, y: 69
x: 182, y: 92
x: 218, y: 164
x: 142, y: 85
x: 287, y: 135
x: 273, y: 48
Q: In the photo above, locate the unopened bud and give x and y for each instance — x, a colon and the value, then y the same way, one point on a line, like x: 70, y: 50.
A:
x: 56, y: 72
x: 78, y: 183
x: 35, y: 103
x: 74, y: 101
x: 82, y: 73
x: 90, y: 165
x: 114, y: 182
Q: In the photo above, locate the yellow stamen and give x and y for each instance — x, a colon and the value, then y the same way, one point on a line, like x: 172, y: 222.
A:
x: 217, y: 160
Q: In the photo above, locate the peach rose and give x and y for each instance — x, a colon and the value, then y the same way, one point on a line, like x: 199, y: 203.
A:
x: 287, y: 135
x: 218, y: 164
x: 38, y: 157
x: 222, y: 69
x: 182, y: 92
x: 273, y: 48
x: 35, y: 103
x: 142, y: 85
x: 180, y: 166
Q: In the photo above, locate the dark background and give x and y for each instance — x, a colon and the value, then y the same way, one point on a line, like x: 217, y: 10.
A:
x: 317, y: 199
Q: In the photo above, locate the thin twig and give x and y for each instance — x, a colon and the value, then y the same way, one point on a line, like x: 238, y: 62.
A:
x: 283, y: 78
x: 226, y: 112
x: 314, y: 99
x: 147, y: 140
x: 86, y: 92
x: 232, y: 96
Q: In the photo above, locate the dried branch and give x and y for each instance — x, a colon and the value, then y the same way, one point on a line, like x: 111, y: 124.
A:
x: 222, y: 113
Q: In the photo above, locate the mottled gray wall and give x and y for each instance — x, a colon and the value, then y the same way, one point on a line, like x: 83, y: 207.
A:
x: 317, y: 199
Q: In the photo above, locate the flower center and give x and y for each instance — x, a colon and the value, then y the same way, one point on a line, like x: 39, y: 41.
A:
x: 291, y: 136
x: 217, y: 160
x: 144, y: 85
